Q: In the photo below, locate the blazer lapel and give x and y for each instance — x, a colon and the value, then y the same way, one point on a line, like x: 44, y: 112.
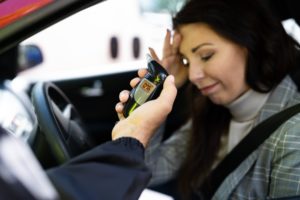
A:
x: 278, y: 100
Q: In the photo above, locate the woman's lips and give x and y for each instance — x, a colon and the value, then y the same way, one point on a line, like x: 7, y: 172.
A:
x: 209, y: 89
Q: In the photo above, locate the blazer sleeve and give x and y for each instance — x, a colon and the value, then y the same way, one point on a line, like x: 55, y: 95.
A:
x: 114, y: 170
x: 165, y: 158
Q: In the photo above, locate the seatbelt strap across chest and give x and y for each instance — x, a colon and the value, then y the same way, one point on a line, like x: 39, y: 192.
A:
x: 250, y: 143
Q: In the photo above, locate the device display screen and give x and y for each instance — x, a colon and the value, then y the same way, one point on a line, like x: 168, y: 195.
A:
x: 143, y: 91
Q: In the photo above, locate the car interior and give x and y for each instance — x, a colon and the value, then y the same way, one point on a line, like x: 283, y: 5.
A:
x: 62, y: 118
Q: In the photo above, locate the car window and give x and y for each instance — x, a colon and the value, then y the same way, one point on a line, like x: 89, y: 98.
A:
x: 97, y: 41
x: 161, y: 6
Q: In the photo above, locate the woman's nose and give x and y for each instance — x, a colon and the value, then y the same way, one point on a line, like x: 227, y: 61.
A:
x: 196, y: 72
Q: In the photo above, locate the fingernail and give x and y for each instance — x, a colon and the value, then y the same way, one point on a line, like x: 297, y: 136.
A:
x: 119, y: 106
x: 121, y: 94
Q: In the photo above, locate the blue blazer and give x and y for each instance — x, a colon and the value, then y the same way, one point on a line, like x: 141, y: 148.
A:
x: 111, y: 171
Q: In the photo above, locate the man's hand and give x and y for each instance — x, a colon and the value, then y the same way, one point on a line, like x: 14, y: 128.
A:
x: 143, y: 121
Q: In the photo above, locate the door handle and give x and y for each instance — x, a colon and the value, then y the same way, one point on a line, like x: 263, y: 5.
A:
x: 95, y: 90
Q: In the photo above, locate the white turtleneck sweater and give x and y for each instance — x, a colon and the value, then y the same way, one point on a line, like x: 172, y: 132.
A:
x: 243, y: 111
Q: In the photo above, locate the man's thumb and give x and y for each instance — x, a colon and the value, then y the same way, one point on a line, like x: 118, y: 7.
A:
x: 169, y: 91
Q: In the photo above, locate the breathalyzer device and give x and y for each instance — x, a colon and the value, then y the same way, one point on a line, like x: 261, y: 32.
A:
x: 148, y: 88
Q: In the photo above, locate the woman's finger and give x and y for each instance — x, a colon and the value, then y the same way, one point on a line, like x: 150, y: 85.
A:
x: 153, y: 54
x: 167, y: 48
x: 176, y: 43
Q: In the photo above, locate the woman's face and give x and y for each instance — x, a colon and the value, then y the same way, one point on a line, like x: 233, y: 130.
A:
x: 216, y: 65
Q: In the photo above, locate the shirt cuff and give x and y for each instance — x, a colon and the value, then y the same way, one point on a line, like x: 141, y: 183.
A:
x: 129, y: 142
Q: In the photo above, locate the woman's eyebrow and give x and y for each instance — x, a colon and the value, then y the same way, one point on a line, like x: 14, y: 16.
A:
x: 200, y: 46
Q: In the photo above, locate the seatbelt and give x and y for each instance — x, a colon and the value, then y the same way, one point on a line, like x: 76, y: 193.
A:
x: 250, y: 143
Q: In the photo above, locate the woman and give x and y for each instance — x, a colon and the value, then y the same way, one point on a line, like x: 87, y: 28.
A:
x: 238, y: 58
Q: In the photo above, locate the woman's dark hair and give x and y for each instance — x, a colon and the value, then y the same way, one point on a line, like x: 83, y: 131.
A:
x: 271, y: 56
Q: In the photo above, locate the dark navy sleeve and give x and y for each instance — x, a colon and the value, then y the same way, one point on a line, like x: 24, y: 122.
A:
x: 112, y: 171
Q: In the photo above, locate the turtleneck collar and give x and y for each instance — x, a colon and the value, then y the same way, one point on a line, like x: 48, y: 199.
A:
x: 247, y: 106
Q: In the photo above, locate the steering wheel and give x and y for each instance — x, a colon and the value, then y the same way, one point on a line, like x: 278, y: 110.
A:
x: 60, y: 122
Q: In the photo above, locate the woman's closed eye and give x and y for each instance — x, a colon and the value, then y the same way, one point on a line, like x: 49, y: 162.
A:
x: 206, y: 57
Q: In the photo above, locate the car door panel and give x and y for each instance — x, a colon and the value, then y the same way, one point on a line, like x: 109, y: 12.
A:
x: 95, y: 99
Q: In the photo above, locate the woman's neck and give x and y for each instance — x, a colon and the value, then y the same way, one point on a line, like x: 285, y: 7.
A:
x: 247, y: 106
